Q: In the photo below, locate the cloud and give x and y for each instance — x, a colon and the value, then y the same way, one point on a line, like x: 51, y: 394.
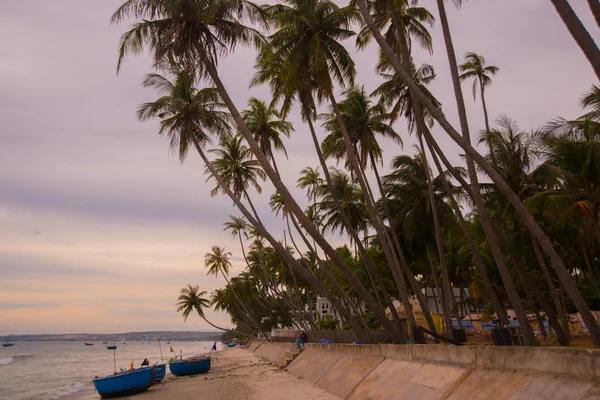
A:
x: 101, y: 226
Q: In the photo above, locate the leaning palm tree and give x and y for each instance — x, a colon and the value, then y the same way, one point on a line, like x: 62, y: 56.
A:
x: 264, y: 123
x: 475, y: 67
x: 192, y: 299
x: 196, y: 34
x: 234, y: 163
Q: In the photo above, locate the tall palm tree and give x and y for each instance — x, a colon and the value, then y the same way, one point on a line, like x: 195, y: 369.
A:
x: 263, y: 122
x: 187, y: 114
x: 234, y: 163
x: 309, y: 58
x: 192, y: 299
x: 537, y: 232
x: 310, y: 180
x: 579, y: 33
x: 476, y: 67
x: 218, y: 262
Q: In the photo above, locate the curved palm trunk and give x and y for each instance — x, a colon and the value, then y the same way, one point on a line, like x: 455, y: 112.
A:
x: 293, y: 206
x: 447, y: 291
x: 353, y: 233
x: 375, y: 219
x: 562, y: 315
x: 595, y: 9
x: 403, y: 261
x: 530, y: 223
x: 307, y: 275
x: 219, y: 328
x: 579, y: 33
x: 485, y: 113
x: 474, y: 251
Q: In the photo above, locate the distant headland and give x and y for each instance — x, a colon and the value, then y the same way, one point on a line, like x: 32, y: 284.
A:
x: 127, y: 336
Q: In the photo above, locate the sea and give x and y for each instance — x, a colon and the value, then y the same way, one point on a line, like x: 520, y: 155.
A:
x: 64, y: 370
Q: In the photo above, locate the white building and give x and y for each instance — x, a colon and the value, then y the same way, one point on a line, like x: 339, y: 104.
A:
x: 434, y: 300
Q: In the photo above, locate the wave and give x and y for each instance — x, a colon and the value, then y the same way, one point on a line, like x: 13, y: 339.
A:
x: 17, y: 357
x: 77, y: 387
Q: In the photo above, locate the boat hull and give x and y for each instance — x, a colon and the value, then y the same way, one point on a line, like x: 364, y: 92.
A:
x: 160, y: 370
x: 8, y: 344
x: 126, y: 384
x: 190, y: 367
x: 111, y: 347
x: 230, y: 344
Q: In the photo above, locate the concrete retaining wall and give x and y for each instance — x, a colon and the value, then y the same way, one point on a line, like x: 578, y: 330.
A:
x: 382, y: 371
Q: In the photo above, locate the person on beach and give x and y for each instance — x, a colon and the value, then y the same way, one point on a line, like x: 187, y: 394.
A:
x: 303, y: 338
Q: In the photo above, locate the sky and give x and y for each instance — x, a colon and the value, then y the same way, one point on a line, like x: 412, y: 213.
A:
x: 101, y: 226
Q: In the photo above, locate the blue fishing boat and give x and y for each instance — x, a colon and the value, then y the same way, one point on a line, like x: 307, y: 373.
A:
x: 192, y: 366
x: 113, y: 347
x: 8, y: 344
x: 160, y: 370
x: 230, y: 344
x: 125, y: 384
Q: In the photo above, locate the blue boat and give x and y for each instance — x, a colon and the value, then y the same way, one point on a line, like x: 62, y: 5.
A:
x: 192, y: 366
x: 230, y: 344
x: 160, y: 370
x: 125, y: 384
x: 113, y: 347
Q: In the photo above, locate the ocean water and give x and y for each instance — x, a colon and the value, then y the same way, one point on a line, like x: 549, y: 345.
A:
x: 55, y: 370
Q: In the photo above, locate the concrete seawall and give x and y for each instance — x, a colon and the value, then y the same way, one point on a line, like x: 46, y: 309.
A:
x: 361, y: 372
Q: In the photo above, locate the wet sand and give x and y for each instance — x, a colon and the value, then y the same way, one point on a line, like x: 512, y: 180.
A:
x: 235, y: 374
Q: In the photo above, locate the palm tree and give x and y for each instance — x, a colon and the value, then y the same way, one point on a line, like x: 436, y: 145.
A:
x: 579, y: 33
x: 262, y: 121
x: 539, y: 235
x: 217, y: 261
x: 196, y: 34
x: 395, y: 94
x: 192, y: 299
x: 309, y: 59
x: 187, y: 114
x: 235, y: 165
x: 476, y: 67
x: 592, y: 100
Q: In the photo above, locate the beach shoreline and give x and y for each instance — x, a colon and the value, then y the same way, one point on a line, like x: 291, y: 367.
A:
x: 235, y: 373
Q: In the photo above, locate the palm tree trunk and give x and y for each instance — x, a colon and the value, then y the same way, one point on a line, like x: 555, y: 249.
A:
x: 595, y: 9
x: 403, y: 261
x: 476, y: 256
x: 485, y: 113
x: 375, y: 218
x: 562, y: 315
x: 579, y: 33
x: 353, y: 233
x: 532, y: 226
x: 294, y: 208
x: 446, y: 288
x: 307, y: 275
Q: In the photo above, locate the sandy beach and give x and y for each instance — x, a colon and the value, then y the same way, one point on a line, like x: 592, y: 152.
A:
x: 235, y: 374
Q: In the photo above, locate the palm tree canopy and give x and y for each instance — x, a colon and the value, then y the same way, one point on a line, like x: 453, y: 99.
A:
x: 234, y: 163
x: 187, y: 114
x: 237, y: 226
x: 187, y: 30
x: 363, y: 121
x: 310, y: 179
x: 414, y: 20
x: 190, y: 299
x: 591, y: 100
x: 304, y: 55
x: 475, y: 66
x: 267, y: 129
x: 217, y: 261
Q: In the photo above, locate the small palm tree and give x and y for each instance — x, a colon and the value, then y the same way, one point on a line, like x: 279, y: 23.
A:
x: 476, y: 67
x: 263, y: 122
x: 193, y: 299
x: 235, y: 165
x: 217, y: 261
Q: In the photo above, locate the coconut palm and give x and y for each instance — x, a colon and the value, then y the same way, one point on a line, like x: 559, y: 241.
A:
x: 591, y: 100
x: 532, y: 226
x: 217, y: 262
x: 234, y: 163
x: 263, y: 122
x: 395, y: 94
x: 187, y: 114
x: 193, y: 299
x: 196, y: 34
x: 579, y: 33
x: 476, y: 67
